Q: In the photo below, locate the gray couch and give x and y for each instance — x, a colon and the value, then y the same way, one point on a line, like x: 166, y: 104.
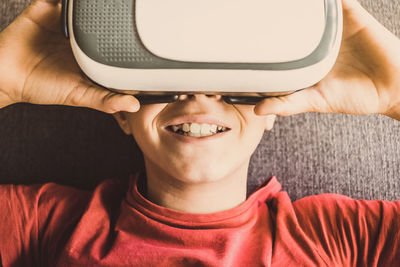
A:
x: 310, y: 154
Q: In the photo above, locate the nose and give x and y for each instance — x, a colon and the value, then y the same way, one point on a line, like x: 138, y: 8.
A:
x: 199, y: 97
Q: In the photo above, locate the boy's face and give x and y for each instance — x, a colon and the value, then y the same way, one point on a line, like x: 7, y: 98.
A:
x: 184, y: 139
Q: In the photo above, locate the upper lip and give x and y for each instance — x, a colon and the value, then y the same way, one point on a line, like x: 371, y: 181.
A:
x: 195, y: 119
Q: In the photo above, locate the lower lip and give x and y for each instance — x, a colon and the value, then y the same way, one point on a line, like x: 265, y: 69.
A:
x: 191, y: 139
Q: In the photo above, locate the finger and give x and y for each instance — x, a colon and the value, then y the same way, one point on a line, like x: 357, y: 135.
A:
x: 307, y: 100
x: 88, y: 95
x: 46, y: 14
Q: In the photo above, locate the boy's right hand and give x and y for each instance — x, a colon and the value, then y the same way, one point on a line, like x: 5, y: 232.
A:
x: 37, y: 65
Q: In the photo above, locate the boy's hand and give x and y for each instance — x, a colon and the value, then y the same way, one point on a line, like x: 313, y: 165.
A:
x: 37, y: 65
x: 365, y: 78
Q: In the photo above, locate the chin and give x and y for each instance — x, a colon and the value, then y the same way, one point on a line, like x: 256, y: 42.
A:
x: 198, y: 175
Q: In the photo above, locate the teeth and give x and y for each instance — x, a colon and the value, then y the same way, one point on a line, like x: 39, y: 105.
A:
x: 185, y: 127
x: 194, y: 134
x: 175, y: 128
x: 197, y: 130
x: 205, y: 129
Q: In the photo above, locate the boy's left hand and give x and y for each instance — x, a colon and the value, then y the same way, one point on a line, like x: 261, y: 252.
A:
x: 365, y: 78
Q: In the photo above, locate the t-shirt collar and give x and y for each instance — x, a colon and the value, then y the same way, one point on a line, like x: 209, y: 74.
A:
x: 234, y: 215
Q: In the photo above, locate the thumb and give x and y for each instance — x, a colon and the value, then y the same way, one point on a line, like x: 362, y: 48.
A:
x: 88, y: 95
x: 307, y: 100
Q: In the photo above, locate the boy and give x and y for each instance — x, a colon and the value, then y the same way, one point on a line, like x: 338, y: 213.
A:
x: 190, y: 206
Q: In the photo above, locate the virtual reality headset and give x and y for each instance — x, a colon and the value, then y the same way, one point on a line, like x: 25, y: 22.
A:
x: 244, y: 50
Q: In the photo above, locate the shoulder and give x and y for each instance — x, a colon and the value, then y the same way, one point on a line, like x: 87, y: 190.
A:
x: 43, y: 217
x: 51, y: 193
x: 343, y: 207
x: 52, y: 204
x: 340, y: 213
x: 49, y: 198
x: 39, y: 196
x: 339, y: 229
x: 341, y: 226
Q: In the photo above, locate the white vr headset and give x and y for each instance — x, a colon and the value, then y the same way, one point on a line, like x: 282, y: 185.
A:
x: 244, y: 50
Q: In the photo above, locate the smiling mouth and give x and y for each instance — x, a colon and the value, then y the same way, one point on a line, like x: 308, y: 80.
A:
x: 197, y: 129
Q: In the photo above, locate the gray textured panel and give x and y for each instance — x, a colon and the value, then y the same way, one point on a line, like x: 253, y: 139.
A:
x: 105, y: 30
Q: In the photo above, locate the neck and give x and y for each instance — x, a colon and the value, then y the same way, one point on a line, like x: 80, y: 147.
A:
x: 196, y: 197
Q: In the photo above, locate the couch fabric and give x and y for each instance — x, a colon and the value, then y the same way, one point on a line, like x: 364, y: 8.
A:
x: 357, y: 156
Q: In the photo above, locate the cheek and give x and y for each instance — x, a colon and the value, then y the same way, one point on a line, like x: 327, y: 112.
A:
x: 252, y: 138
x: 252, y: 125
x: 143, y: 125
x: 253, y: 128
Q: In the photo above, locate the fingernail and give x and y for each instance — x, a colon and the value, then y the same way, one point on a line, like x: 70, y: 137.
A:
x: 133, y: 105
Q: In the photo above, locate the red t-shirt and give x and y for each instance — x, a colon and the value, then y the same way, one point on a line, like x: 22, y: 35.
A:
x: 53, y: 225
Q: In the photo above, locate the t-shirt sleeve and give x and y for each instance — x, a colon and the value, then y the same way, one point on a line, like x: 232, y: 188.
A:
x: 352, y: 232
x: 35, y: 222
